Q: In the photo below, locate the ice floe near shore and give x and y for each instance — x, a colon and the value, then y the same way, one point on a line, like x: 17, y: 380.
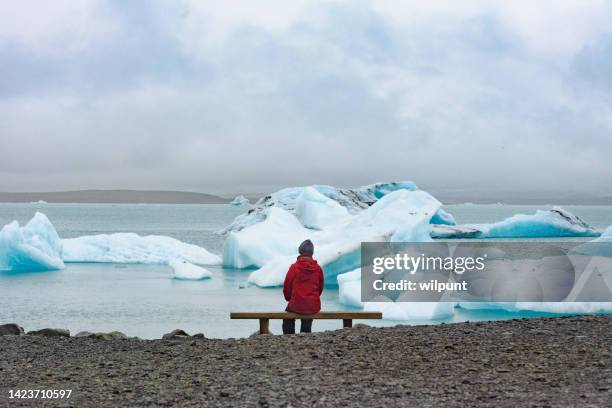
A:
x: 555, y: 222
x: 33, y: 247
x: 133, y: 248
x: 188, y: 271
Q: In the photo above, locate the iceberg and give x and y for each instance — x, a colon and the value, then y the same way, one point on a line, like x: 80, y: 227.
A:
x: 271, y: 245
x: 555, y: 222
x: 33, y: 247
x: 133, y: 248
x: 240, y: 200
x: 188, y: 271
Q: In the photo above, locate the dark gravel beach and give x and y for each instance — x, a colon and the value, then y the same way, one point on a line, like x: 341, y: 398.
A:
x: 537, y: 362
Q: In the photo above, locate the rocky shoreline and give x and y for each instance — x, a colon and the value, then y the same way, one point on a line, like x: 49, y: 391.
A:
x: 564, y: 361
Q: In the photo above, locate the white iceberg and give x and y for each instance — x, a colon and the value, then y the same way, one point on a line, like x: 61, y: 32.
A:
x: 188, y: 271
x: 240, y: 200
x: 272, y: 245
x: 555, y: 222
x: 34, y: 247
x: 133, y: 248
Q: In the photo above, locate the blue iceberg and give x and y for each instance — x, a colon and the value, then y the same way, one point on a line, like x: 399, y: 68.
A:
x: 555, y: 222
x: 33, y: 247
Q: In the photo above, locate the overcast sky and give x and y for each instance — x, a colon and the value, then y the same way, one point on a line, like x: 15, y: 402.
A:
x: 256, y: 95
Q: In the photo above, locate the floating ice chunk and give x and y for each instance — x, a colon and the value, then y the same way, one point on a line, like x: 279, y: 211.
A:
x: 240, y: 200
x: 133, y: 248
x: 555, y: 222
x: 188, y: 271
x: 354, y: 200
x: 314, y: 210
x: 34, y: 247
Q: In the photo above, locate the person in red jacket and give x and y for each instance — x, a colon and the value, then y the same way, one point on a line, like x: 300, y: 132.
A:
x: 302, y: 288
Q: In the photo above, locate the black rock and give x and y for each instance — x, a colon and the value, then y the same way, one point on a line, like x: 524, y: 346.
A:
x: 11, y: 329
x: 50, y: 333
x: 115, y: 335
x: 175, y: 334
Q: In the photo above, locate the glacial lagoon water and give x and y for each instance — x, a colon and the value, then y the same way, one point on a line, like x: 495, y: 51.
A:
x: 144, y: 301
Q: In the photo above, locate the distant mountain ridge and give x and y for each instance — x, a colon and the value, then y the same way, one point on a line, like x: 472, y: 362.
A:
x: 114, y: 197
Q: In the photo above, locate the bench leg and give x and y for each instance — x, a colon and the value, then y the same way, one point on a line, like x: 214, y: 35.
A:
x: 347, y: 322
x: 264, y: 326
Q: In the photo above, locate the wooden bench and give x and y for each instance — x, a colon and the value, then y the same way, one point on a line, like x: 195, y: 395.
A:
x: 264, y: 317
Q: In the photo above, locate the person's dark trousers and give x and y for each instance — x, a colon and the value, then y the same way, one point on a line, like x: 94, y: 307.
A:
x: 289, y: 325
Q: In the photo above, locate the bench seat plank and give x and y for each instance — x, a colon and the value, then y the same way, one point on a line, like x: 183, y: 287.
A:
x: 320, y: 315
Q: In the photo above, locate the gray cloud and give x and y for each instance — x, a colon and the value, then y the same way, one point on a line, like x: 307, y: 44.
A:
x: 173, y: 97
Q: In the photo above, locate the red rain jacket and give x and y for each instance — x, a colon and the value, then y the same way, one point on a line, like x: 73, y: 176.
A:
x: 303, y: 286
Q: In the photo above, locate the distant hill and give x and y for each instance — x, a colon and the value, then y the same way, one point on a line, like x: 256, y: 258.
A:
x: 114, y: 196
